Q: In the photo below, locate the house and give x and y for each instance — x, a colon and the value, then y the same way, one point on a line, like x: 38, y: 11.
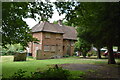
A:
x: 55, y: 40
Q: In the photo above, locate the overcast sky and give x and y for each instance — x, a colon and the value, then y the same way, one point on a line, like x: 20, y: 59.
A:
x: 31, y: 22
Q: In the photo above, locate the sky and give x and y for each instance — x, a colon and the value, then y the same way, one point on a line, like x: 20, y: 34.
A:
x: 31, y: 22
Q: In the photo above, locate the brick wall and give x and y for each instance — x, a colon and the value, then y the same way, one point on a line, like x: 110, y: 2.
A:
x: 36, y: 46
x: 54, y: 40
x: 50, y: 39
x: 68, y: 47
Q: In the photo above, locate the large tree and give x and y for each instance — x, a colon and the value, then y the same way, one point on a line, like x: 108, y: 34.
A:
x: 14, y: 29
x: 82, y: 47
x: 99, y: 23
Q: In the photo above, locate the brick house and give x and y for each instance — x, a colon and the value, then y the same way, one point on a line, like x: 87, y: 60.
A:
x: 56, y: 40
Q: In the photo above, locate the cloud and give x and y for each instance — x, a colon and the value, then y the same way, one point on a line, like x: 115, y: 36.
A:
x: 31, y: 22
x: 56, y: 16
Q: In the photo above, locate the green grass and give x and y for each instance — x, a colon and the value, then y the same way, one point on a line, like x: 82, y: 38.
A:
x: 32, y: 65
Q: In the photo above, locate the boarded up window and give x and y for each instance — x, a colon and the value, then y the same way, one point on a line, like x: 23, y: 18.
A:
x: 72, y: 43
x: 46, y: 48
x: 58, y: 36
x: 47, y: 35
x: 59, y: 48
x: 53, y: 48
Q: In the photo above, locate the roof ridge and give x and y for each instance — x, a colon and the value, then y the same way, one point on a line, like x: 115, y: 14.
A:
x: 43, y: 26
x: 36, y: 26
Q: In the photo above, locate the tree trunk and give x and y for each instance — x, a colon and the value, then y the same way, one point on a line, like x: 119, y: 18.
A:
x: 118, y: 49
x: 111, y: 59
x: 99, y: 53
x: 84, y: 54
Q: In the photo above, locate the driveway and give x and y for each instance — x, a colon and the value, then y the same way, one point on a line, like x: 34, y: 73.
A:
x: 96, y: 71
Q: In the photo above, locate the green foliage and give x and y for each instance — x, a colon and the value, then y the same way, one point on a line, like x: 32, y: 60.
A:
x: 51, y: 73
x: 55, y: 22
x: 11, y: 49
x: 14, y: 29
x: 63, y: 22
x: 82, y: 46
x: 91, y: 53
x: 98, y: 23
x: 19, y: 75
x: 68, y: 8
x: 66, y: 55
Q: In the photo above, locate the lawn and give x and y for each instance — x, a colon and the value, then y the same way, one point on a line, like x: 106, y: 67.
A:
x: 32, y: 65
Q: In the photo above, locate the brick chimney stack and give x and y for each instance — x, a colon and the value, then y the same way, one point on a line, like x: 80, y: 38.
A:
x: 60, y: 22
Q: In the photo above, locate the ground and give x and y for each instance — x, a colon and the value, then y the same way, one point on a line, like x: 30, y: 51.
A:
x: 99, y: 71
x: 86, y: 68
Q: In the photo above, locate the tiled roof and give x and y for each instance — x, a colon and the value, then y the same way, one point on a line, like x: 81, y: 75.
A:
x: 67, y: 31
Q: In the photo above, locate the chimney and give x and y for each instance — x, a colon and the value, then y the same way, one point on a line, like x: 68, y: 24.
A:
x: 60, y: 22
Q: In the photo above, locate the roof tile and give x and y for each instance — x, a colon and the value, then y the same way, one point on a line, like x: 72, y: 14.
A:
x: 67, y: 31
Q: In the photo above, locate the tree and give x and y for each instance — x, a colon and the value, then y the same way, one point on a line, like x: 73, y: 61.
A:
x: 99, y: 23
x: 83, y: 47
x: 106, y: 21
x: 14, y: 29
x: 118, y: 49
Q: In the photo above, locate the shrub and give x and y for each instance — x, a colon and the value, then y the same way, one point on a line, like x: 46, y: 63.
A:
x: 53, y: 74
x: 50, y: 74
x: 19, y: 75
x: 89, y: 54
x: 74, y: 54
x: 3, y: 53
x: 66, y: 56
x: 10, y: 53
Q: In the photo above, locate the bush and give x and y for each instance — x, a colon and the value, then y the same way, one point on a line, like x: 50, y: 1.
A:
x: 50, y: 74
x: 3, y: 53
x: 66, y: 56
x: 10, y: 53
x: 74, y: 54
x: 89, y: 54
x: 19, y: 75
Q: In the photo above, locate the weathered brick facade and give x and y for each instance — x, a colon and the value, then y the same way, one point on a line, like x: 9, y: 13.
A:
x: 51, y: 45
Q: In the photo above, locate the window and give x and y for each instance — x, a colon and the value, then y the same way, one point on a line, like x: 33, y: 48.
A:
x: 46, y: 48
x: 59, y: 48
x: 72, y: 43
x: 58, y: 36
x: 47, y: 35
x: 53, y: 48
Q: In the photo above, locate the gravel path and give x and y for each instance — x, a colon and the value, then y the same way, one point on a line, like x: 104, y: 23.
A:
x: 96, y: 71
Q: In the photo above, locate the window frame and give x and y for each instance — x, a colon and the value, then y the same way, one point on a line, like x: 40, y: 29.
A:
x: 54, y: 49
x: 72, y: 43
x: 47, y: 35
x: 46, y: 50
x: 58, y: 36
